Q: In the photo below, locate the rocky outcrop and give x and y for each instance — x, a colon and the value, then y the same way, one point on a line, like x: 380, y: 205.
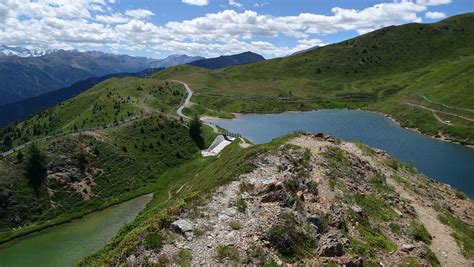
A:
x: 315, y: 201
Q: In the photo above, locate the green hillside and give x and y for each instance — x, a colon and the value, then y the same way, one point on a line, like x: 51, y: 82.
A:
x: 111, y: 101
x: 376, y: 227
x: 93, y: 168
x: 387, y: 70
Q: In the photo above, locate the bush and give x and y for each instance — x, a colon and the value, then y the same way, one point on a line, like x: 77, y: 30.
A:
x: 292, y: 239
x: 227, y: 252
x: 153, y: 241
x: 241, y: 204
x: 235, y: 225
x: 183, y: 258
x: 419, y: 233
x: 431, y: 257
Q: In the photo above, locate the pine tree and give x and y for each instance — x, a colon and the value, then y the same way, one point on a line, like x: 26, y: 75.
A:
x: 36, y: 167
x: 195, y: 132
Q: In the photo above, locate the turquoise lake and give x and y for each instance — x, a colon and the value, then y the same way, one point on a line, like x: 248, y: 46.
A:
x: 67, y: 244
x: 449, y: 163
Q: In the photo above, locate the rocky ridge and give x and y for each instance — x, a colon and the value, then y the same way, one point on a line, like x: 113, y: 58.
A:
x: 317, y: 201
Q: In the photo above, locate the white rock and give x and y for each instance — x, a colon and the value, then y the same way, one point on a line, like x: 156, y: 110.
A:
x: 182, y: 226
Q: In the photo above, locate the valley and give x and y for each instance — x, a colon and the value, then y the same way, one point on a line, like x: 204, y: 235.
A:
x: 391, y: 70
x: 325, y: 172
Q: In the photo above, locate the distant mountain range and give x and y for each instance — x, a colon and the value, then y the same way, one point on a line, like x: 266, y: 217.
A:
x: 14, y: 108
x: 20, y: 110
x: 227, y: 61
x: 26, y: 73
x: 10, y: 51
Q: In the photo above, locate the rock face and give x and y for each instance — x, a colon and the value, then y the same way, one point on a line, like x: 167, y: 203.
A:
x: 315, y: 201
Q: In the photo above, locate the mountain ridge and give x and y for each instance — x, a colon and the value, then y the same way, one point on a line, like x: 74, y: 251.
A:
x: 24, y: 77
x: 387, y: 70
x: 227, y: 61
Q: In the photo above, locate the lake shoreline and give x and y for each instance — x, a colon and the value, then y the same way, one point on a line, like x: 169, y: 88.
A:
x: 34, y: 229
x: 416, y: 130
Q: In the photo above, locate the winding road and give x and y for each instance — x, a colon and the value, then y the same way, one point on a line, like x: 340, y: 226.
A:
x: 187, y: 103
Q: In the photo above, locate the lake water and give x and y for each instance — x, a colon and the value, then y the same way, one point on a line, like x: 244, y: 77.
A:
x: 66, y: 244
x: 449, y: 163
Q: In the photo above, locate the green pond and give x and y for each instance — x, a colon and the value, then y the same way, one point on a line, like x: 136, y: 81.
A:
x: 66, y: 244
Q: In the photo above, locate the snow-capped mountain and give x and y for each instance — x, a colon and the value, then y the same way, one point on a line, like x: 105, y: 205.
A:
x: 9, y: 51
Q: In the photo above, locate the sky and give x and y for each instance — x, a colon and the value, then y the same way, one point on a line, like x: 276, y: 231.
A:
x: 158, y: 28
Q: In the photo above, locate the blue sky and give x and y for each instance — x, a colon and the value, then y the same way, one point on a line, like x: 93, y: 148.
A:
x: 157, y: 28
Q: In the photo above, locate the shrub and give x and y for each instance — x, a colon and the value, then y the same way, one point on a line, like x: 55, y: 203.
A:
x: 183, y: 258
x: 235, y: 225
x: 461, y: 195
x: 153, y: 241
x: 431, y: 257
x: 292, y: 239
x: 241, y: 204
x: 227, y: 252
x: 419, y: 233
x: 410, y: 262
x: 256, y: 256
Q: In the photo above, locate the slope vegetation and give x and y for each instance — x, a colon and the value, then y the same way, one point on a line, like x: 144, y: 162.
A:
x: 20, y: 110
x: 23, y: 77
x: 109, y: 101
x: 301, y: 199
x: 94, y: 166
x: 388, y: 70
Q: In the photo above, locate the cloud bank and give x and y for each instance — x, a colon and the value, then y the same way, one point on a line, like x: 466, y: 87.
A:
x: 93, y: 24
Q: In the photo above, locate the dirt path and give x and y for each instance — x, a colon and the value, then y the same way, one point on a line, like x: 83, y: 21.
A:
x: 442, y: 112
x: 244, y: 144
x: 443, y: 244
x: 446, y: 106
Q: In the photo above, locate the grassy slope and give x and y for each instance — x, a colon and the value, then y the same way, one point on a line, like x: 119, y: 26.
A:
x: 183, y: 192
x: 382, y: 70
x: 112, y: 100
x: 207, y: 174
x: 122, y: 162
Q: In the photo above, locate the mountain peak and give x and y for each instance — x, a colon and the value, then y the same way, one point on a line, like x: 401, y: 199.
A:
x: 10, y: 51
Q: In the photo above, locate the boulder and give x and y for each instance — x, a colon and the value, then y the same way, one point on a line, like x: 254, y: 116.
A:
x: 408, y: 247
x: 355, y: 262
x: 182, y: 226
x: 332, y: 249
x: 319, y: 135
x: 356, y: 208
x: 227, y: 213
x: 333, y: 245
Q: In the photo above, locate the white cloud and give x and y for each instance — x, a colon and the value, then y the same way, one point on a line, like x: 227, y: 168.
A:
x: 435, y: 15
x: 433, y: 2
x: 112, y: 19
x: 235, y: 3
x: 196, y: 2
x: 257, y: 5
x: 139, y: 13
x: 83, y: 24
